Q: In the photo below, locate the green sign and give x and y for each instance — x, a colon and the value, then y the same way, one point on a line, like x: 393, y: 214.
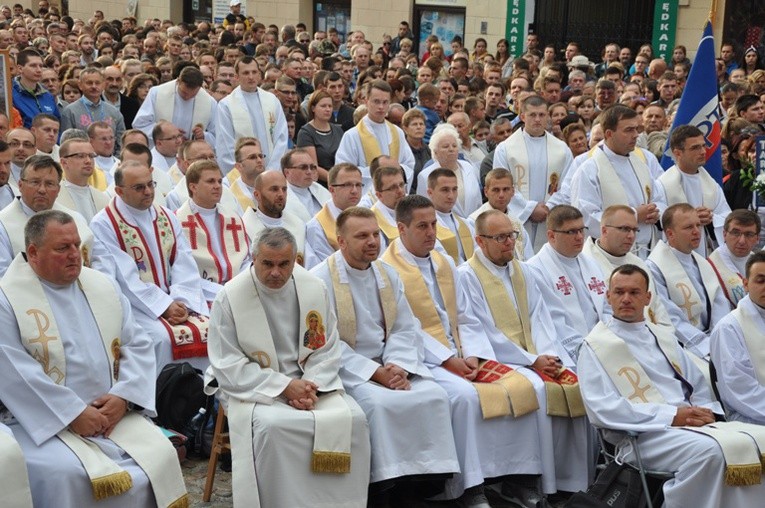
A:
x: 515, y: 29
x: 664, y: 28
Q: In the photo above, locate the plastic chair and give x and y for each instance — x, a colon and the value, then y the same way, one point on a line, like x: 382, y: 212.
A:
x: 221, y: 443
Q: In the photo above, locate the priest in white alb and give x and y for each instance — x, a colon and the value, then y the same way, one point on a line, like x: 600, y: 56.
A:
x: 635, y: 377
x: 8, y: 190
x: 381, y: 366
x: 741, y: 232
x: 77, y: 371
x: 688, y: 182
x: 275, y: 356
x: 538, y: 162
x: 305, y: 196
x: 454, y: 232
x: 76, y: 157
x: 250, y: 162
x: 155, y: 267
x: 14, y: 480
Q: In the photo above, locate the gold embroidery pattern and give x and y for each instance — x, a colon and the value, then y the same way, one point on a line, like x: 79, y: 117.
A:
x: 43, y: 323
x: 634, y: 379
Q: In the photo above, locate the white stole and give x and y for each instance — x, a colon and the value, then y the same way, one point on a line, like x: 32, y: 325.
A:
x: 518, y: 159
x: 611, y: 186
x: 292, y: 223
x: 732, y: 283
x: 242, y: 118
x: 672, y: 182
x: 164, y: 105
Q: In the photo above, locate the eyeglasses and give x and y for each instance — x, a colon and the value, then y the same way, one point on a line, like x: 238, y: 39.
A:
x: 16, y: 144
x: 171, y: 138
x: 255, y: 156
x: 40, y: 183
x: 749, y: 235
x: 80, y: 156
x: 305, y: 167
x: 395, y: 187
x: 502, y: 238
x: 287, y: 92
x: 140, y: 187
x: 349, y: 185
x: 572, y: 232
x: 624, y: 229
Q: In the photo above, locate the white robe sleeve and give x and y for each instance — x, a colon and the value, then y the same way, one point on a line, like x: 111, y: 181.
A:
x: 315, y: 237
x: 280, y: 139
x: 6, y: 251
x: 210, y: 127
x: 224, y: 137
x: 585, y: 192
x: 472, y: 336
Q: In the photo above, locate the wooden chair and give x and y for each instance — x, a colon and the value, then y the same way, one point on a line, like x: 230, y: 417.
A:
x: 220, y: 444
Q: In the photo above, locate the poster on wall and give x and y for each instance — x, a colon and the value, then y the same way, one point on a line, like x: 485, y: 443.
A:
x: 445, y: 25
x: 221, y: 10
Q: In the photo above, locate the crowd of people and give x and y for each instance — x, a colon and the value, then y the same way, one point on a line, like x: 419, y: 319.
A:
x: 404, y: 277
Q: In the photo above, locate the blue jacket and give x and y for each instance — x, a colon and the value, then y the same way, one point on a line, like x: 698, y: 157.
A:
x: 32, y: 104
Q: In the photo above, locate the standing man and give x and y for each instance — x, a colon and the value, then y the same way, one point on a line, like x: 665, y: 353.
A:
x: 30, y: 98
x: 741, y: 232
x: 113, y: 95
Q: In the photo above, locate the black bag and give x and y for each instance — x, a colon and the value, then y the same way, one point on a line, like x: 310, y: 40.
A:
x: 618, y: 486
x: 179, y: 395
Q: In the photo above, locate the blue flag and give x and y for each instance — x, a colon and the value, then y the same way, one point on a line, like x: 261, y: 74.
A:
x: 699, y: 105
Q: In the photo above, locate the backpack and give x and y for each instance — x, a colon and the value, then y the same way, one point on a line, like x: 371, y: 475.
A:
x: 179, y: 395
x: 617, y: 486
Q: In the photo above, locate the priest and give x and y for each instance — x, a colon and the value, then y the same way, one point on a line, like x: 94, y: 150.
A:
x: 390, y: 189
x: 297, y: 439
x: 14, y: 480
x: 250, y: 162
x: 741, y: 232
x: 454, y: 232
x: 305, y: 196
x: 70, y: 339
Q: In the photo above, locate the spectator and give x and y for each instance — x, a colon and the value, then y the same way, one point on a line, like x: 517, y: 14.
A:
x: 319, y: 137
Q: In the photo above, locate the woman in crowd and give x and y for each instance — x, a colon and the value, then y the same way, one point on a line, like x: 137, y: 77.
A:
x: 742, y: 154
x: 575, y: 136
x: 479, y: 49
x: 70, y: 91
x: 586, y: 110
x: 751, y: 61
x: 319, y: 137
x: 140, y: 85
x: 413, y: 124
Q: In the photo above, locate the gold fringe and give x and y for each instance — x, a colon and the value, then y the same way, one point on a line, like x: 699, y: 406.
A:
x: 111, y: 485
x: 762, y: 461
x: 743, y: 475
x: 181, y: 502
x: 331, y: 462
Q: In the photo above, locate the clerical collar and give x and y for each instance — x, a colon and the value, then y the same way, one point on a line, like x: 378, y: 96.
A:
x: 384, y: 208
x: 368, y: 120
x: 73, y: 186
x: 564, y: 259
x: 682, y: 256
x: 301, y: 191
x: 27, y: 211
x: 102, y: 161
x: 139, y: 214
x: 626, y: 325
x: 207, y: 212
x: 265, y: 290
x: 614, y: 260
x: 691, y: 175
x: 269, y: 221
x: 446, y: 217
x: 498, y: 270
x: 528, y: 136
x: 610, y: 153
x: 333, y: 209
x: 739, y: 262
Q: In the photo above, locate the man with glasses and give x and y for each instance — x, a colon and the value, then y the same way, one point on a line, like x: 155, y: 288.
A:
x: 345, y: 189
x: 641, y: 65
x: 23, y: 146
x: 167, y: 139
x: 102, y: 139
x: 390, y: 189
x: 76, y: 193
x: 38, y: 189
x: 305, y: 196
x: 573, y: 280
x: 155, y: 267
x: 741, y: 232
x: 250, y: 162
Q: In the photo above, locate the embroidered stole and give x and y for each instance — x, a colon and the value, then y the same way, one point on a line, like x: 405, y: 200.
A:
x: 242, y: 118
x: 672, y: 182
x: 134, y: 434
x: 344, y: 304
x: 328, y: 225
x: 333, y: 420
x: 14, y: 482
x: 563, y: 396
x: 233, y: 241
x: 390, y: 231
x: 611, y: 186
x: 449, y: 240
x: 244, y: 200
x: 732, y: 283
x: 517, y: 157
x: 371, y: 145
x: 680, y: 287
x: 175, y: 174
x: 292, y: 223
x: 164, y: 105
x: 188, y: 339
x: 739, y: 442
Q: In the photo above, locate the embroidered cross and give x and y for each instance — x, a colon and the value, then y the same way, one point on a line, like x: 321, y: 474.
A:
x: 234, y: 227
x: 563, y: 285
x: 687, y: 304
x: 191, y: 225
x: 597, y: 285
x: 633, y: 377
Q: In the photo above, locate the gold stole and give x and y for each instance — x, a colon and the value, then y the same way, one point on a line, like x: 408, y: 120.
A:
x: 97, y: 180
x: 371, y: 145
x: 233, y: 175
x: 328, y: 225
x: 563, y: 395
x: 390, y: 232
x: 732, y: 283
x: 175, y: 174
x: 233, y: 243
x: 737, y: 441
x: 244, y: 200
x: 449, y: 240
x: 134, y: 434
x: 518, y: 159
x: 346, y: 310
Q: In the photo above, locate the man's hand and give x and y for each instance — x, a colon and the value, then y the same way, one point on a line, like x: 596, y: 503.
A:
x: 547, y: 364
x: 460, y: 367
x: 648, y: 214
x: 113, y: 408
x: 176, y: 313
x: 392, y: 376
x: 301, y: 394
x: 198, y: 132
x: 693, y: 416
x: 540, y: 213
x: 91, y: 422
x: 705, y: 215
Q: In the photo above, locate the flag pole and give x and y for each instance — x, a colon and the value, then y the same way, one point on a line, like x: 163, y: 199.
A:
x: 713, y: 11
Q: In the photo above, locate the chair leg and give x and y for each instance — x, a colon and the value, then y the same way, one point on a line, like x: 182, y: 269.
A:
x: 215, y: 450
x: 641, y: 470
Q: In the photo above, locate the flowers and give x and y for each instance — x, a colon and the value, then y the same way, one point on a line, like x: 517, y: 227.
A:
x: 756, y: 184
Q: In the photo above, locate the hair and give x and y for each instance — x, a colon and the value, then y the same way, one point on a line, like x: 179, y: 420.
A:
x: 742, y: 216
x: 337, y: 168
x: 38, y: 162
x: 613, y: 210
x: 135, y: 149
x: 286, y: 159
x: 66, y: 145
x: 561, y: 214
x: 480, y: 221
x: 241, y: 143
x: 611, y: 117
x: 273, y: 238
x: 757, y: 257
x: 680, y: 134
x: 352, y: 211
x: 156, y: 132
x: 314, y: 100
x: 191, y: 76
x: 570, y: 129
x: 195, y: 170
x: 380, y: 84
x: 745, y: 102
x: 382, y: 171
x: 428, y: 91
x: 406, y: 207
x: 629, y: 269
x: 532, y: 101
x: 668, y: 217
x: 411, y: 115
x: 497, y: 174
x: 73, y: 133
x: 438, y: 173
x: 24, y: 55
x: 130, y: 132
x: 441, y: 132
x: 34, y: 231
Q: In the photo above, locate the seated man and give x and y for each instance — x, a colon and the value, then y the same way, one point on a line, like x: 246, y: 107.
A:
x: 390, y: 189
x: 454, y: 232
x: 345, y: 188
x: 250, y: 162
x: 271, y: 196
x: 735, y: 349
x: 491, y: 421
x: 499, y: 191
x: 506, y: 296
x: 686, y: 282
x: 380, y: 344
x: 71, y: 339
x: 216, y: 235
x: 305, y: 196
x: 7, y: 191
x: 635, y: 377
x: 39, y: 186
x: 290, y: 419
x: 741, y: 232
x: 574, y: 279
x: 14, y: 481
x: 618, y: 230
x: 155, y: 267
x: 75, y: 192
